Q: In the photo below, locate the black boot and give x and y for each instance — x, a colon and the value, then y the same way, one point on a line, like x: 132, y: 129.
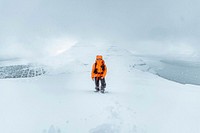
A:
x: 96, y: 89
x: 102, y: 89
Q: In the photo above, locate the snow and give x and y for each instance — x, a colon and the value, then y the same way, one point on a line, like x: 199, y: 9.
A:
x: 63, y: 101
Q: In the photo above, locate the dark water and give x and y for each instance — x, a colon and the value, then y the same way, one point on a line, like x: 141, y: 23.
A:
x: 184, y: 72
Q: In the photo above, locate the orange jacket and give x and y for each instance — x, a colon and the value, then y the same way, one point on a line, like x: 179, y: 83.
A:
x: 99, y: 68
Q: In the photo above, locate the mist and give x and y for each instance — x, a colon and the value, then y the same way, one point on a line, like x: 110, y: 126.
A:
x: 46, y: 27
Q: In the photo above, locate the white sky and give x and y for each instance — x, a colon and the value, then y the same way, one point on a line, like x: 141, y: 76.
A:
x: 28, y: 23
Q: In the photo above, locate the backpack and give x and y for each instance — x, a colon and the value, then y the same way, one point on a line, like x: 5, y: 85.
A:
x: 102, y: 67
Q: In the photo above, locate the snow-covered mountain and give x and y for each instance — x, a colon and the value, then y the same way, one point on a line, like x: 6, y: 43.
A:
x: 151, y: 49
x: 62, y: 100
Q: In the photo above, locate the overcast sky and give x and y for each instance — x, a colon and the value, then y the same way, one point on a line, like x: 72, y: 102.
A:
x: 27, y: 24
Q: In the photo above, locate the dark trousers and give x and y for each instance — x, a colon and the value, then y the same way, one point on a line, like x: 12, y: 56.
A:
x: 103, y: 83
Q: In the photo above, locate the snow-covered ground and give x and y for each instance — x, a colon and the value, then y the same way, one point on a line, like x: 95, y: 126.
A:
x: 63, y: 101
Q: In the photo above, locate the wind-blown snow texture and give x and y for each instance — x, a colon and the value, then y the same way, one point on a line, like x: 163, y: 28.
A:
x: 63, y: 101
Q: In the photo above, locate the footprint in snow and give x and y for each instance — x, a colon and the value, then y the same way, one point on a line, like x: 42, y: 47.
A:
x: 52, y: 129
x: 106, y: 128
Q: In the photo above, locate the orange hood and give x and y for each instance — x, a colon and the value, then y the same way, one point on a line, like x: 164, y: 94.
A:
x: 99, y: 57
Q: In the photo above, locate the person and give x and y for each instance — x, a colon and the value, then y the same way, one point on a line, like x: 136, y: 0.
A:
x: 99, y: 71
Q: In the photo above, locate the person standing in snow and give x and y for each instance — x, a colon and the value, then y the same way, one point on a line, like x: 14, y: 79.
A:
x: 98, y: 73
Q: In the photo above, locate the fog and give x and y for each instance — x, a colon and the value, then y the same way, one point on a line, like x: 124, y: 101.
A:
x: 45, y: 27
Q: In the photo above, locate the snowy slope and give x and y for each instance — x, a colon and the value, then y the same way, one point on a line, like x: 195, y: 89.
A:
x: 63, y: 101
